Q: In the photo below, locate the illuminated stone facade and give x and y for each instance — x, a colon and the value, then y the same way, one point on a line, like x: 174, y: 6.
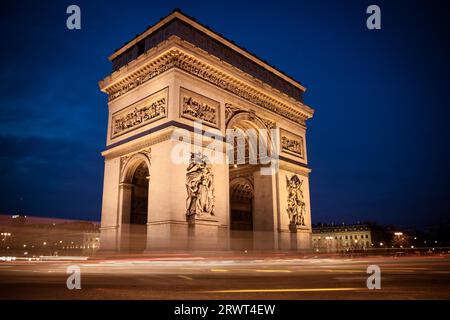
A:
x: 177, y: 72
x: 343, y: 238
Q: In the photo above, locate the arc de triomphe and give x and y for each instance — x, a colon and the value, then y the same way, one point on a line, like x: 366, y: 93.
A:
x: 166, y: 81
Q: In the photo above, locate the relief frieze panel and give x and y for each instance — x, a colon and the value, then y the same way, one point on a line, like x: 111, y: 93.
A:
x: 197, y: 107
x: 140, y: 113
x: 292, y: 144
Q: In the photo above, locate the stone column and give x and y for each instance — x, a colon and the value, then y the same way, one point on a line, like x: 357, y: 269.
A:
x: 123, y: 218
x: 264, y: 211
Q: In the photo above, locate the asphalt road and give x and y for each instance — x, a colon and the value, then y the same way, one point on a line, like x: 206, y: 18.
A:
x: 268, y: 276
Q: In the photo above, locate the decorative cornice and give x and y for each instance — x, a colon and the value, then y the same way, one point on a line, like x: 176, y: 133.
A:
x: 130, y: 149
x: 294, y: 166
x: 176, y: 58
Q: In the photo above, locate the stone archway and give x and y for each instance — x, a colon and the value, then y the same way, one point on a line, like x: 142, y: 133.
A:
x: 245, y: 122
x: 241, y: 206
x: 252, y: 212
x: 134, y: 195
x: 241, y: 213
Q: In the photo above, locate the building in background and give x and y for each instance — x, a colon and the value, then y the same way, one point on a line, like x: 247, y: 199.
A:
x: 34, y: 236
x: 91, y: 242
x: 340, y: 238
x: 346, y: 238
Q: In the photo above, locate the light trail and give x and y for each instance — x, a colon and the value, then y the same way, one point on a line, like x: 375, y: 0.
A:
x: 269, y: 270
x: 283, y: 290
x: 219, y: 270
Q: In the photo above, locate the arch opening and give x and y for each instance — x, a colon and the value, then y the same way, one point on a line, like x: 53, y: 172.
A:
x: 241, y: 214
x: 247, y: 152
x: 139, y: 196
x: 135, y: 206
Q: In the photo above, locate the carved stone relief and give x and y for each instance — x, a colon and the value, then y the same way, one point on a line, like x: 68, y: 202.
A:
x: 296, y: 206
x: 231, y: 110
x: 200, y: 187
x: 139, y: 114
x: 126, y: 158
x: 269, y: 124
x: 197, y: 107
x: 292, y: 144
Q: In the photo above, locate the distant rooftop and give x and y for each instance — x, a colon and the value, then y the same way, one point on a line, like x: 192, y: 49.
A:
x: 8, y: 219
x: 187, y: 28
x: 340, y: 228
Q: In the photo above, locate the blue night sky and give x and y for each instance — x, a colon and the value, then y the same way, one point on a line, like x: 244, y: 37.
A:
x: 377, y: 143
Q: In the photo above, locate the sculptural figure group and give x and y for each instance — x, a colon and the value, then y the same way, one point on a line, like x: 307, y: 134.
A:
x: 296, y: 207
x: 200, y: 187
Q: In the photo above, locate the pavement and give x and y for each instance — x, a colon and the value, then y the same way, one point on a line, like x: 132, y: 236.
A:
x: 182, y: 276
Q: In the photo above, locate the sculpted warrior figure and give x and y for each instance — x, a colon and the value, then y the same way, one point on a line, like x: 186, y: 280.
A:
x: 296, y: 206
x: 199, y: 186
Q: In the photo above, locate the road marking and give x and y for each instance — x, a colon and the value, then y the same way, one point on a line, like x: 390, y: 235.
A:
x: 219, y: 270
x: 284, y: 290
x: 271, y: 270
x: 343, y: 270
x: 185, y: 277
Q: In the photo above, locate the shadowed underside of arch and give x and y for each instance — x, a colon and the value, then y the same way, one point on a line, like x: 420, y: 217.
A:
x: 135, y: 178
x: 248, y: 128
x: 241, y: 204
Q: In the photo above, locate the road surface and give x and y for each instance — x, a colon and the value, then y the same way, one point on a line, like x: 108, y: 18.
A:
x: 270, y: 276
